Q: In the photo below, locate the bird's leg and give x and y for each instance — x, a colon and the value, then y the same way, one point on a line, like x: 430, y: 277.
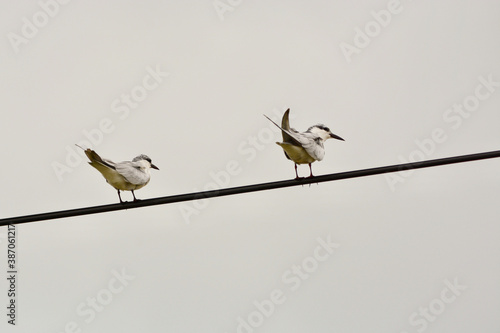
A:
x: 119, y: 196
x: 310, y: 169
x: 135, y: 199
x: 296, y: 174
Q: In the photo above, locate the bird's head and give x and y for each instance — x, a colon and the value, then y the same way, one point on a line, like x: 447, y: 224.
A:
x: 146, y: 159
x: 323, y: 132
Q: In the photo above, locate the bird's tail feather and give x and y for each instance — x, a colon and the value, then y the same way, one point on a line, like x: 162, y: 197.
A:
x: 95, y: 158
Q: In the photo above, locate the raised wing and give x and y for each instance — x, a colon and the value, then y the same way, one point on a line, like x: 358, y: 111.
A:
x: 289, y: 136
x: 285, y: 127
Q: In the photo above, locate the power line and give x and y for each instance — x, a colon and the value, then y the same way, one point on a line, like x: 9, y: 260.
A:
x: 247, y: 188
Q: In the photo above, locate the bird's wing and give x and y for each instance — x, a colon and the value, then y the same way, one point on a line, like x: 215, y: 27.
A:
x: 289, y: 135
x: 313, y: 145
x: 285, y: 128
x: 132, y: 173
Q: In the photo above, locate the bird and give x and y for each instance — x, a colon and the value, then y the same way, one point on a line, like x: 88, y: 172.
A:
x: 123, y: 176
x: 303, y: 147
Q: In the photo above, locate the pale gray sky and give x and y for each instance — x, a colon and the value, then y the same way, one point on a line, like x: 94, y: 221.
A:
x: 186, y: 83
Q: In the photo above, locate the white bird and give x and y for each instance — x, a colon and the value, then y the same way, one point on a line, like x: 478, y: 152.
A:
x: 306, y: 147
x: 123, y: 176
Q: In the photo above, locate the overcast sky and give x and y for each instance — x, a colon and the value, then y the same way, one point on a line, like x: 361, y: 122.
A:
x: 187, y: 83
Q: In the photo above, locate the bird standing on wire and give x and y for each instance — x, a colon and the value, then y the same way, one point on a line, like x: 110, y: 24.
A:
x: 306, y: 147
x: 123, y: 176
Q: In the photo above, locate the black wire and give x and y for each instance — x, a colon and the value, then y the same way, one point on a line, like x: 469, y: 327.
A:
x: 247, y: 188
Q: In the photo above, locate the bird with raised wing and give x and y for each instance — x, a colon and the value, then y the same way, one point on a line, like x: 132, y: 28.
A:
x: 303, y: 147
x: 123, y: 176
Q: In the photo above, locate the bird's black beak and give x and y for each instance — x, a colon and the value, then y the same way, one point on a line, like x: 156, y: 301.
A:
x: 333, y: 136
x: 154, y: 166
